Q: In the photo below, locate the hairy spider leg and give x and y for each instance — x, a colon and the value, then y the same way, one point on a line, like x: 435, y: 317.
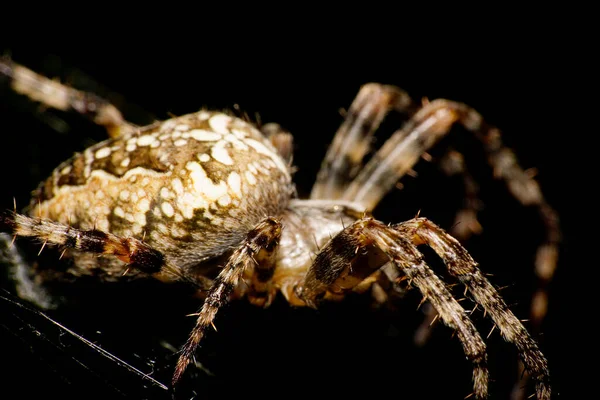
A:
x: 461, y: 265
x: 133, y: 252
x: 364, y: 247
x: 353, y: 139
x: 425, y: 128
x: 54, y: 94
x: 256, y: 251
x: 137, y: 255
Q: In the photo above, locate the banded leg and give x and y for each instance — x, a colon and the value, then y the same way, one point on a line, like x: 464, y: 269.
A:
x: 133, y: 252
x: 401, y: 152
x: 56, y: 95
x: 353, y: 139
x: 461, y: 265
x: 366, y: 245
x: 256, y: 251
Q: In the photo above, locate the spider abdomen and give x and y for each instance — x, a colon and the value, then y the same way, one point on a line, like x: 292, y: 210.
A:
x: 192, y: 187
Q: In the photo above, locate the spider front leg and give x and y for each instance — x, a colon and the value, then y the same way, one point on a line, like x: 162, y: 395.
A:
x: 365, y: 246
x: 425, y: 128
x: 53, y: 94
x: 461, y: 265
x: 257, y: 250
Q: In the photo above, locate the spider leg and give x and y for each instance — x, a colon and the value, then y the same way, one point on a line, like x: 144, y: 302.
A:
x: 133, y: 252
x: 256, y: 251
x: 461, y: 265
x: 425, y: 128
x: 56, y: 95
x: 353, y: 139
x: 365, y: 246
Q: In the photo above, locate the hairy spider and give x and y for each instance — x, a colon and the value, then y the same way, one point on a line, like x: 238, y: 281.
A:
x: 208, y: 198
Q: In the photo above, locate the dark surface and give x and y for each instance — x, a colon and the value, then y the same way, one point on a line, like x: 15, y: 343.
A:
x: 341, y: 348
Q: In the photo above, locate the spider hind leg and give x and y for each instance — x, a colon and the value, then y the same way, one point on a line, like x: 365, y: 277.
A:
x: 136, y: 254
x: 53, y: 94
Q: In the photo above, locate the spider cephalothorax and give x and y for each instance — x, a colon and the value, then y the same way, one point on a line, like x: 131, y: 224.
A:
x: 208, y: 198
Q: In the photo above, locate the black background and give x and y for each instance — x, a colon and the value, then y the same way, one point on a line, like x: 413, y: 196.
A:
x: 520, y: 81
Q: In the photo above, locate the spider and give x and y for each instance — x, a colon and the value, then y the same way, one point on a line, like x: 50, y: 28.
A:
x: 208, y: 198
